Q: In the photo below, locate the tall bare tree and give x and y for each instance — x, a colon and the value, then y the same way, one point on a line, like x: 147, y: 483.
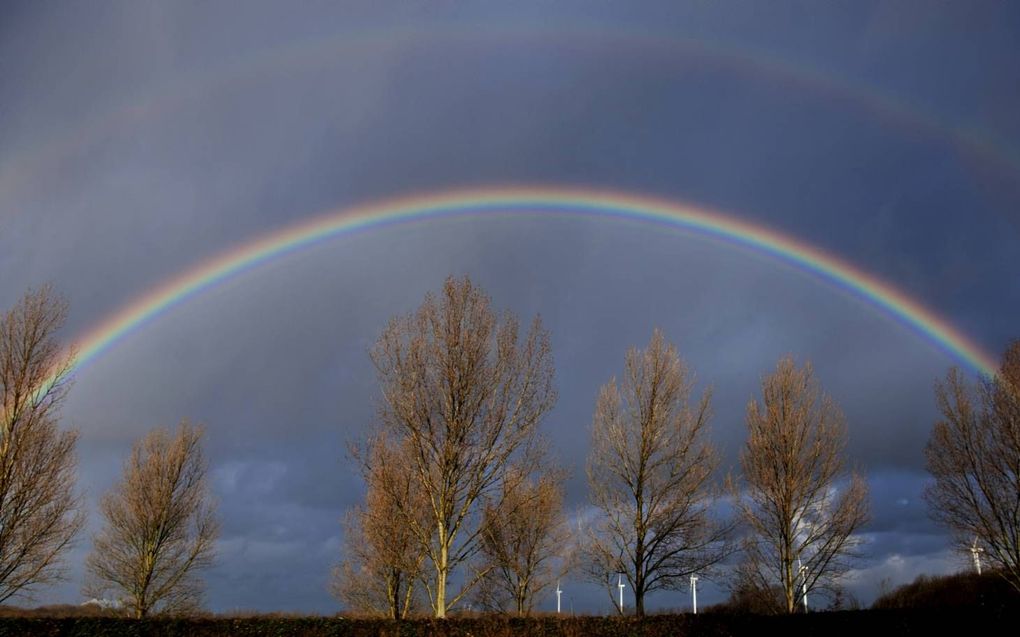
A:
x: 526, y: 541
x: 973, y: 455
x: 160, y: 527
x: 801, y: 515
x: 382, y: 558
x: 649, y: 473
x: 39, y: 510
x: 467, y: 394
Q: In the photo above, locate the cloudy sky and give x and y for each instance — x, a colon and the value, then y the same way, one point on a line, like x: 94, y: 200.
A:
x: 138, y: 139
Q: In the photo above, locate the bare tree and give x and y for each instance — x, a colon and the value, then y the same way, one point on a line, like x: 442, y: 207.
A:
x: 160, y: 527
x: 39, y: 510
x: 383, y: 559
x: 467, y: 394
x: 801, y: 516
x: 649, y: 474
x: 525, y: 543
x: 973, y: 455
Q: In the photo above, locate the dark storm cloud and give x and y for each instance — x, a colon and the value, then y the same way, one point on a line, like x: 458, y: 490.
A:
x: 225, y: 127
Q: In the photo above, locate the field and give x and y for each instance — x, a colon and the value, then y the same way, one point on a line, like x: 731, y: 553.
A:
x: 867, y: 623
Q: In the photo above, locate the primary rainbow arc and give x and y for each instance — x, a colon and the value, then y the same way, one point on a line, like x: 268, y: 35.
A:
x: 508, y: 201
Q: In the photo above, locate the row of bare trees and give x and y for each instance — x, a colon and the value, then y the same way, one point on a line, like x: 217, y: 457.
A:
x: 159, y: 522
x: 463, y: 500
x: 460, y: 489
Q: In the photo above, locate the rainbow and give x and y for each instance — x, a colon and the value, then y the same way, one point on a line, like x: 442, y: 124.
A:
x: 541, y: 201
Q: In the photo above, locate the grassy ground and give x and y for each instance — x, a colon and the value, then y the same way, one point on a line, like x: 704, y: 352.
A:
x: 861, y: 623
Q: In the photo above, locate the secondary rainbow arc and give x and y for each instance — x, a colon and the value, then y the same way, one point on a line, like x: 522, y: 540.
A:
x: 881, y: 103
x: 495, y: 201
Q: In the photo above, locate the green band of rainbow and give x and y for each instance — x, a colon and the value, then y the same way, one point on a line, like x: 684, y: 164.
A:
x: 545, y: 200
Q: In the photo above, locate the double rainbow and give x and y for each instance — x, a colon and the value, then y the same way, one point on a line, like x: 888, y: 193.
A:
x: 534, y: 200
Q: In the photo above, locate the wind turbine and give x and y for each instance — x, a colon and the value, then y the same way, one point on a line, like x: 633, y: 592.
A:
x: 976, y: 552
x: 694, y: 593
x: 558, y: 593
x: 621, y: 586
x: 803, y: 579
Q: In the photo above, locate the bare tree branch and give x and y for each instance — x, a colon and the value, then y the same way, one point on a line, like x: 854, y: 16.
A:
x: 525, y: 542
x: 40, y: 513
x: 383, y: 559
x: 973, y: 455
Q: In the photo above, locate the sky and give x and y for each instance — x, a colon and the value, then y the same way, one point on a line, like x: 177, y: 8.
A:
x: 140, y: 139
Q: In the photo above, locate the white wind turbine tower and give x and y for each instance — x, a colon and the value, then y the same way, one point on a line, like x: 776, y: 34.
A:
x: 804, y: 527
x: 976, y: 552
x: 558, y: 593
x: 803, y: 581
x: 694, y: 593
x: 621, y: 586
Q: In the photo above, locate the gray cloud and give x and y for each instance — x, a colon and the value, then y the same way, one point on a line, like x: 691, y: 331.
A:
x: 139, y: 140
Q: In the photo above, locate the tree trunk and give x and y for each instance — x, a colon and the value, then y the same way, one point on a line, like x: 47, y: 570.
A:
x: 441, y: 569
x: 788, y: 585
x: 393, y: 597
